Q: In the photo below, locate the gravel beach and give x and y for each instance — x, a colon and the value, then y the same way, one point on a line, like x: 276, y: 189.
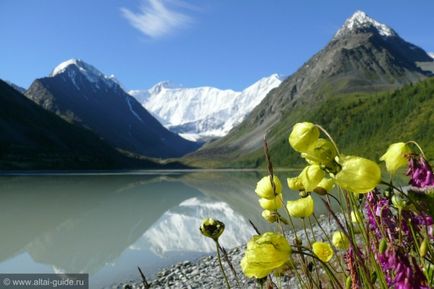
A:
x: 205, y: 272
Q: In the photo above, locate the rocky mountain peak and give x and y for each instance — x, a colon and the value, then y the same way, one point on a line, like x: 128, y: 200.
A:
x: 360, y: 21
x: 71, y: 66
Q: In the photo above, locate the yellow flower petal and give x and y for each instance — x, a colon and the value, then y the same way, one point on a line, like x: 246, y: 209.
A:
x: 310, y: 177
x: 303, y: 134
x: 358, y: 175
x: 272, y: 204
x: 295, y: 184
x: 323, y: 251
x: 264, y: 188
x: 269, y: 216
x: 301, y: 208
x: 264, y: 254
x: 340, y: 241
x: 321, y: 151
x: 395, y: 156
x: 356, y: 217
x: 326, y: 185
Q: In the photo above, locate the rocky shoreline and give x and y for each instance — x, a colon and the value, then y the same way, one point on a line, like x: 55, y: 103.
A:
x: 205, y: 272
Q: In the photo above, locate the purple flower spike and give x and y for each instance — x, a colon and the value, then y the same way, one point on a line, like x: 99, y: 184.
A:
x: 420, y: 172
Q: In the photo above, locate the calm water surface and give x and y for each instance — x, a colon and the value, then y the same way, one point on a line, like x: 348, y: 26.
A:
x: 107, y: 225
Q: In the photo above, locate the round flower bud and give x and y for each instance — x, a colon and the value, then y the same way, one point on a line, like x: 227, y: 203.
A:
x: 264, y: 188
x: 270, y: 216
x: 310, y: 177
x: 348, y: 282
x: 383, y: 246
x: 212, y: 228
x: 301, y: 208
x: 358, y: 175
x: 303, y: 134
x: 423, y: 247
x: 323, y: 251
x: 395, y: 156
x: 272, y: 205
x: 356, y: 218
x: 264, y: 254
x: 321, y: 151
x: 340, y: 241
x: 295, y: 184
x: 398, y: 202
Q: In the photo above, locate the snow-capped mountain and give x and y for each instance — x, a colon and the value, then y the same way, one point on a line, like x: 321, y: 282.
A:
x: 360, y: 21
x: 90, y: 72
x: 363, y: 56
x: 82, y: 94
x: 202, y: 113
x: 176, y: 230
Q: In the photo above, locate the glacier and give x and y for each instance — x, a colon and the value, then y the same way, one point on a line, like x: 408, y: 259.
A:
x: 203, y: 113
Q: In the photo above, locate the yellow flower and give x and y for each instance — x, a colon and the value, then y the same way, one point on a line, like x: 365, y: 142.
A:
x: 323, y: 251
x: 272, y: 204
x: 295, y: 184
x: 264, y: 254
x: 303, y: 134
x: 301, y: 208
x: 358, y: 175
x: 340, y: 241
x: 326, y: 185
x: 310, y: 177
x: 212, y: 228
x: 264, y: 188
x: 356, y: 218
x: 321, y: 151
x: 395, y: 156
x: 269, y: 216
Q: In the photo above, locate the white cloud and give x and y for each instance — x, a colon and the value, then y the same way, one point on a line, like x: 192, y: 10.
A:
x: 156, y: 19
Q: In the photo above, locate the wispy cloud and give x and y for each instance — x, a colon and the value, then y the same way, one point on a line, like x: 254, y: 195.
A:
x: 155, y: 18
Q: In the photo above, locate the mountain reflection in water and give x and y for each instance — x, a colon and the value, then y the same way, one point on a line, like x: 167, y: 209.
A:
x: 106, y: 225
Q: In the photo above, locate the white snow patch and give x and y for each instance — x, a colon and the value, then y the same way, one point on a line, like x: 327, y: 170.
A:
x: 361, y: 20
x: 431, y: 54
x: 128, y: 99
x: 177, y: 229
x: 89, y: 71
x: 203, y: 112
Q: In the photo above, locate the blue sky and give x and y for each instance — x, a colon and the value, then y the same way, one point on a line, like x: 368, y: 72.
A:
x: 222, y: 43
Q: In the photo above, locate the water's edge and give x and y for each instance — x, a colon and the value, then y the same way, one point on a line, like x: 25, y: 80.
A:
x: 205, y: 272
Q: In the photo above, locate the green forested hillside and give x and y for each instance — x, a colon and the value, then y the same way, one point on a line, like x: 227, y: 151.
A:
x: 363, y: 124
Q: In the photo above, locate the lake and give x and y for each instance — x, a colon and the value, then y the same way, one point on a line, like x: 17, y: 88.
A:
x: 108, y: 224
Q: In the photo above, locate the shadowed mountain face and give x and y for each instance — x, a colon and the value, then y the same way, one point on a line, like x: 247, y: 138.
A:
x: 33, y: 138
x: 79, y: 93
x: 364, y: 56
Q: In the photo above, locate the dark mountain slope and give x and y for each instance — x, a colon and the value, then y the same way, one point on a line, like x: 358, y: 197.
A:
x: 81, y: 94
x: 32, y: 138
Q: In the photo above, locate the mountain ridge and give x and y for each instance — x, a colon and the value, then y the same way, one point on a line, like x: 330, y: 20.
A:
x: 203, y: 113
x: 81, y: 94
x: 33, y: 138
x: 359, y: 60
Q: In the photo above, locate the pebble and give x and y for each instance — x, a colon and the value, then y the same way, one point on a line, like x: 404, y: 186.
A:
x: 205, y: 272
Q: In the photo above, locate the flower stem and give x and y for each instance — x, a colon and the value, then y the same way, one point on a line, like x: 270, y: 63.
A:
x: 418, y: 146
x: 329, y: 137
x: 221, y: 265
